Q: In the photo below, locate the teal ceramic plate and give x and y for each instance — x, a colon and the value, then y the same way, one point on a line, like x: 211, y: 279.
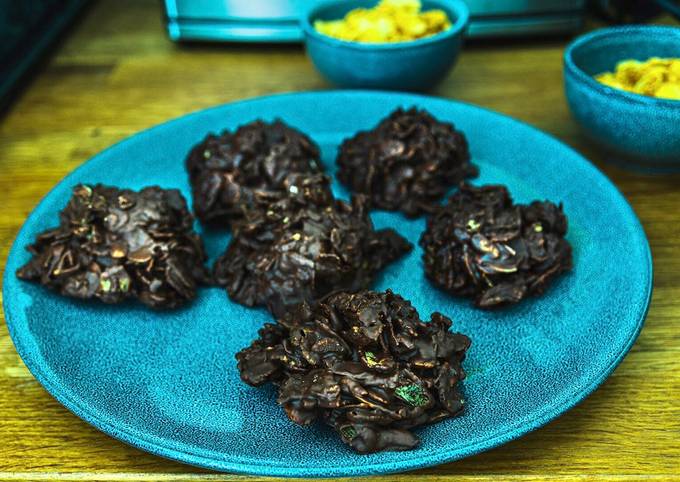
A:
x: 167, y: 382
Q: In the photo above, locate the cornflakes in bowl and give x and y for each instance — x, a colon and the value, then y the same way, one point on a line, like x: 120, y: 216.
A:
x: 388, y: 21
x: 655, y: 77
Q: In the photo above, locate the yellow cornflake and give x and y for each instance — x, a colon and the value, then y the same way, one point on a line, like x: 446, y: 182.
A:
x: 389, y: 21
x: 655, y: 77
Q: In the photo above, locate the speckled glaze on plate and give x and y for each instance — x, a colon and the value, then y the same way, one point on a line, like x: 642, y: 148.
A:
x: 167, y: 382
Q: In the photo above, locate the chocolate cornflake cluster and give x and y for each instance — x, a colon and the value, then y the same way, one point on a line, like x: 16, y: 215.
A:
x: 365, y: 364
x: 301, y: 245
x: 482, y: 245
x: 228, y: 171
x: 407, y: 163
x: 113, y: 244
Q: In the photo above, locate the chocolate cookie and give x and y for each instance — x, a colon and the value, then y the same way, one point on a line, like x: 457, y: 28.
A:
x: 113, y: 244
x: 228, y: 171
x: 365, y: 364
x: 481, y: 245
x: 407, y: 163
x: 301, y: 245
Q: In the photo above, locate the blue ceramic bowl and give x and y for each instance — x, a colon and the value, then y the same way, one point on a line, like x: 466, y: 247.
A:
x: 638, y: 131
x: 414, y: 65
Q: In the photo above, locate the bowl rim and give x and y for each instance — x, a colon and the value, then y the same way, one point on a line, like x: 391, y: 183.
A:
x: 457, y: 27
x: 571, y: 68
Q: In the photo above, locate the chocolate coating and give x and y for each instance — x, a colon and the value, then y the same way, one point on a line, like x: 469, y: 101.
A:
x: 303, y: 244
x: 228, y: 171
x: 365, y: 364
x: 113, y: 244
x: 406, y: 163
x: 481, y: 245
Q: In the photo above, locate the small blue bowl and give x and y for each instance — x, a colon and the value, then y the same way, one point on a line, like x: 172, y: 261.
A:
x: 638, y: 131
x: 413, y: 65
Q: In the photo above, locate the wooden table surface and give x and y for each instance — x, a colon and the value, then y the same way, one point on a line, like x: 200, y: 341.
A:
x: 117, y: 73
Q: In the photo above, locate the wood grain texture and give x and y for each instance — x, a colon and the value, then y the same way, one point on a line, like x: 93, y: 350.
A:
x: 117, y: 74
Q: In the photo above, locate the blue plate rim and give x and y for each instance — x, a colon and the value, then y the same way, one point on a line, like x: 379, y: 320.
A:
x: 160, y: 447
x: 572, y: 69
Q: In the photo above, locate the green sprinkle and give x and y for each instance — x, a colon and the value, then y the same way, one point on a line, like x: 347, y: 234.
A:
x: 370, y: 358
x: 207, y: 154
x: 105, y: 284
x: 348, y: 432
x: 124, y: 284
x: 538, y: 227
x: 473, y: 225
x: 412, y: 394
